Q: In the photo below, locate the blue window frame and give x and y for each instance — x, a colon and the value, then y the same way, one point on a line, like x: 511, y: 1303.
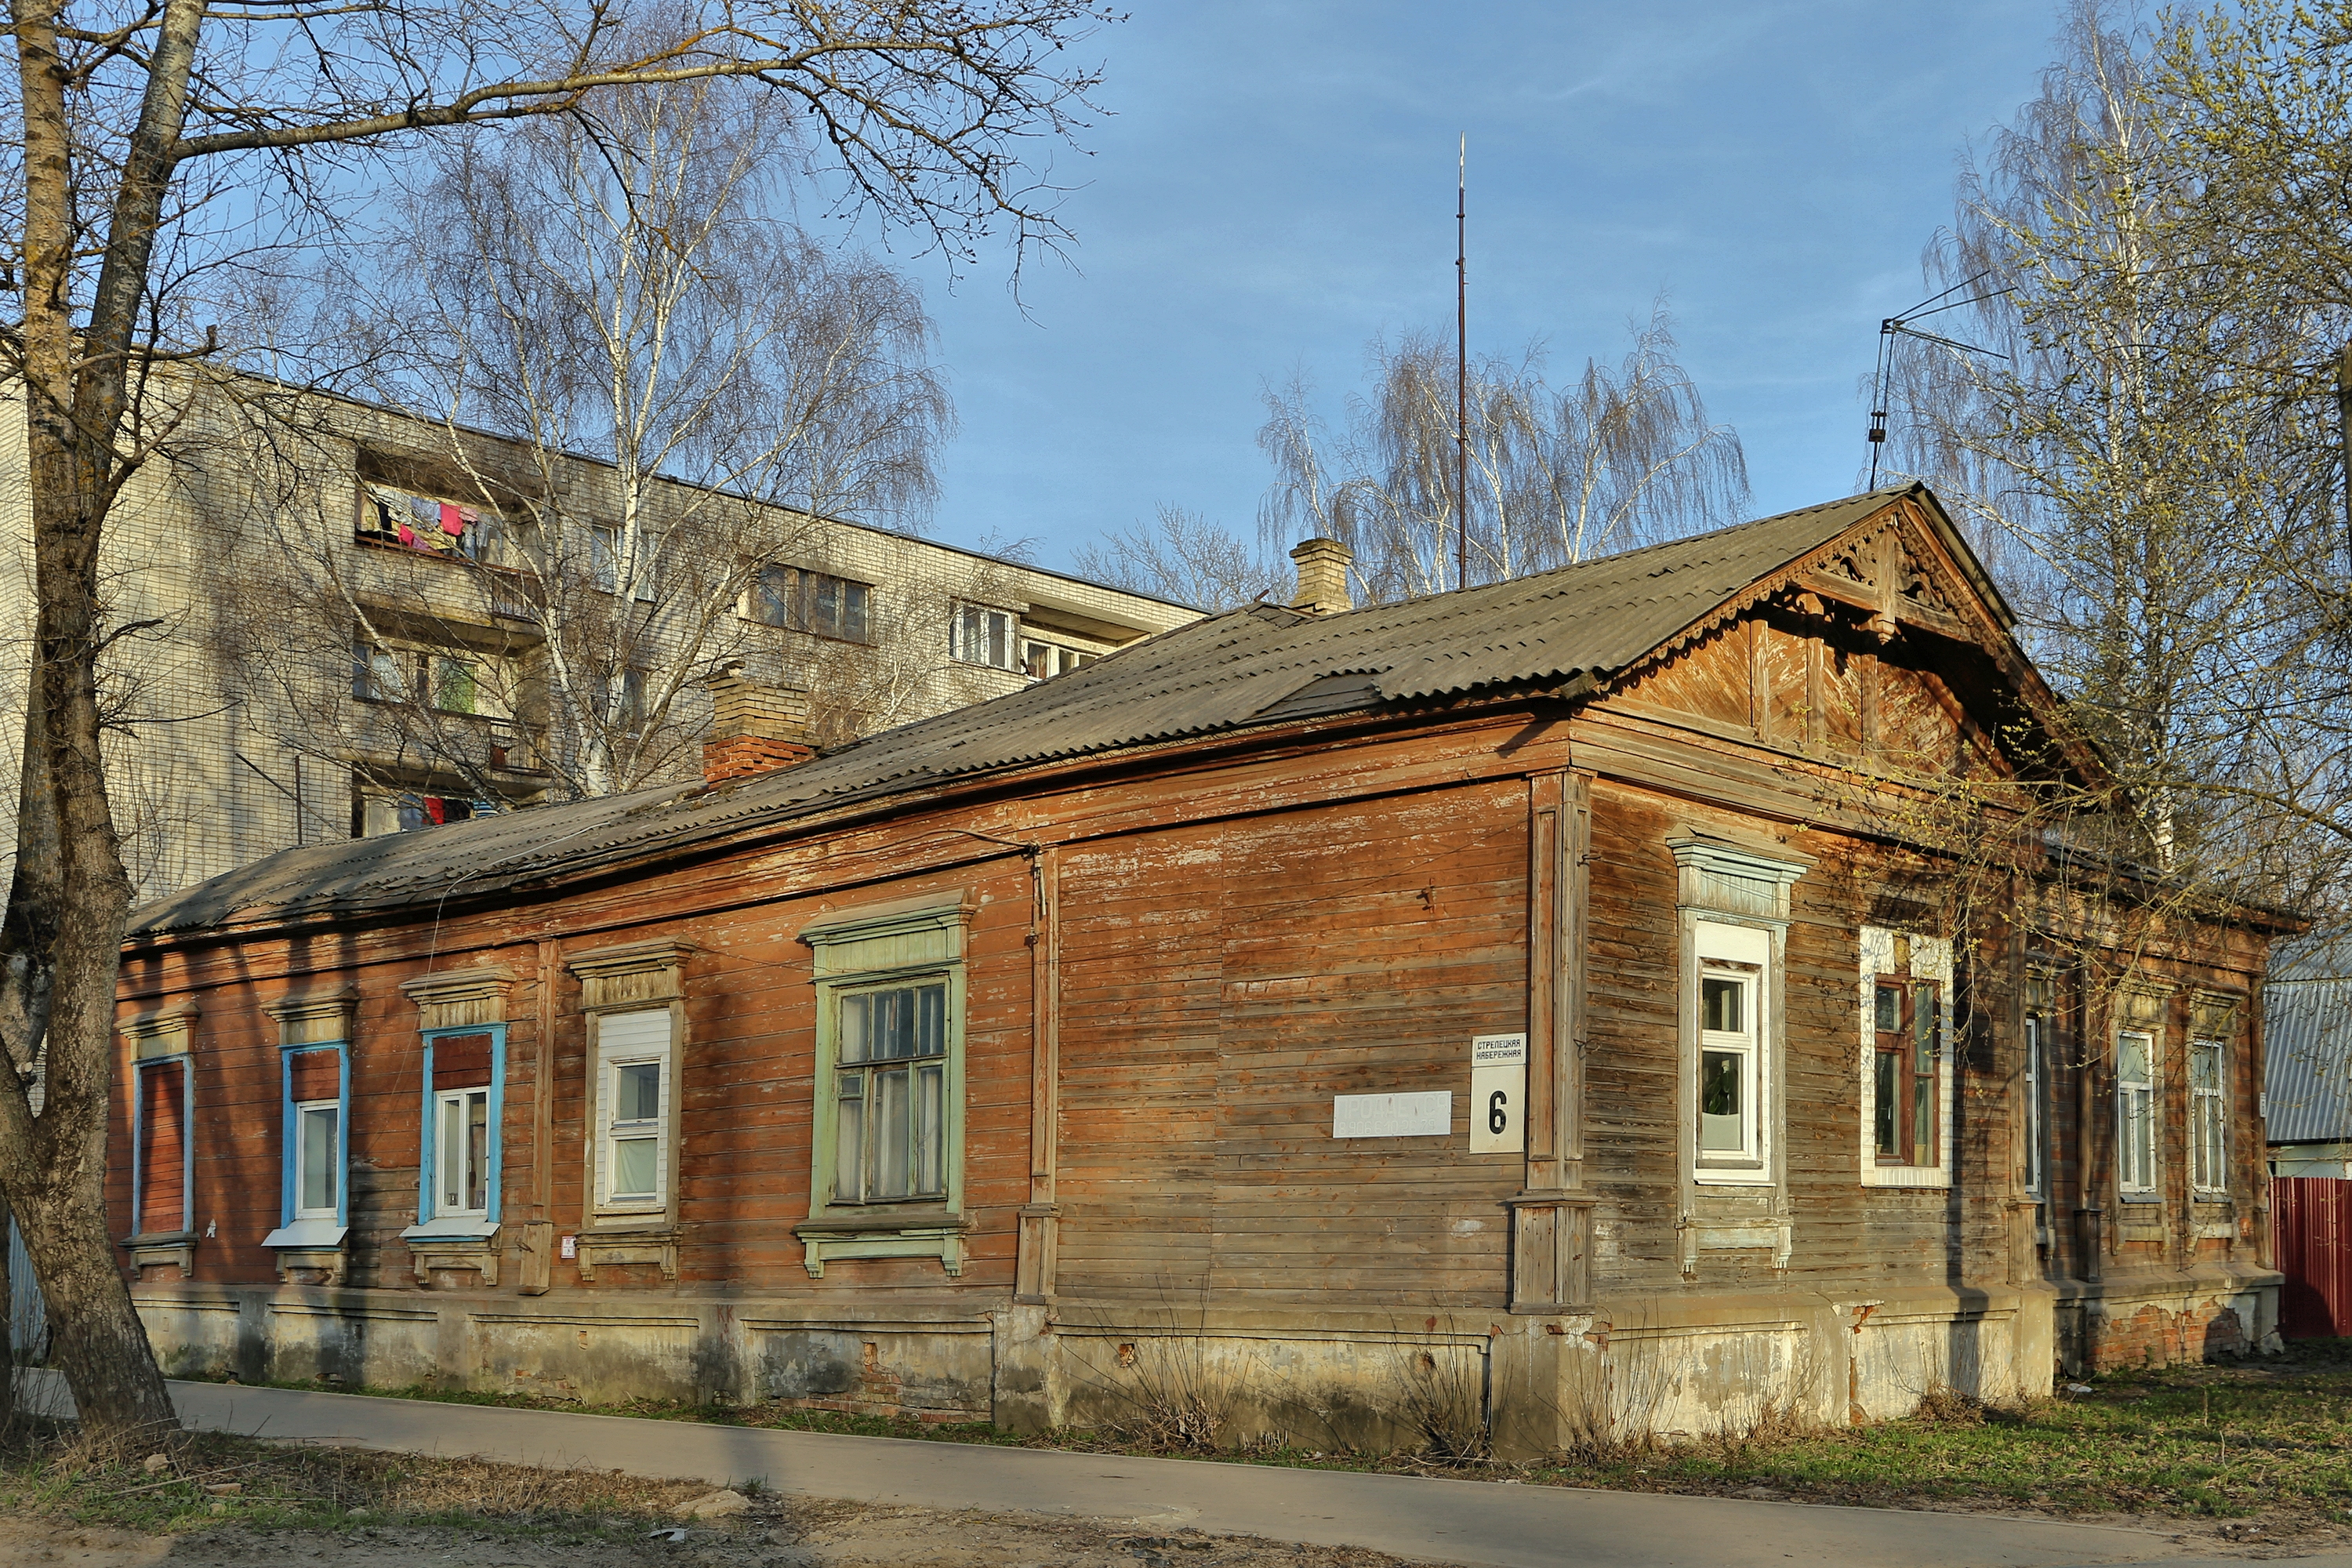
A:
x: 464, y: 1108
x: 316, y: 1146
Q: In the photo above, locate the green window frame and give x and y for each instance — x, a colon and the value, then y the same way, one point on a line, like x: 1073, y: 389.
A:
x: 887, y: 1114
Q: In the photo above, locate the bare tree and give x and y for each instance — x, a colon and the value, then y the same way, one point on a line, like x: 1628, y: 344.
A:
x: 131, y: 123
x: 1184, y: 556
x: 2131, y: 451
x: 617, y: 287
x: 1623, y: 456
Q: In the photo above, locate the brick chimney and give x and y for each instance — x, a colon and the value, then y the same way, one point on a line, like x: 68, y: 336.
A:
x: 1323, y: 578
x: 755, y: 729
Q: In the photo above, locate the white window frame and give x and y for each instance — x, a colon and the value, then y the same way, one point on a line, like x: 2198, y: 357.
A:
x: 612, y: 1056
x: 2139, y: 1170
x: 1042, y: 659
x: 1740, y: 1045
x: 2037, y: 1104
x: 1931, y: 960
x: 1724, y: 951
x: 449, y: 1151
x: 857, y: 617
x: 332, y: 1210
x: 2209, y: 1118
x: 973, y: 630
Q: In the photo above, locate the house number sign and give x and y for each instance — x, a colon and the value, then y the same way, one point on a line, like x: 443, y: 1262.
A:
x: 1498, y: 1092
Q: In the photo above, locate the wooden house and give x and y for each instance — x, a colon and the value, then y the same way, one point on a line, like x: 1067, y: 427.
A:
x: 1528, y: 1011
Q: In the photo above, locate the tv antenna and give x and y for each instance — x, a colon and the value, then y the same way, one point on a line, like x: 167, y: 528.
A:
x: 1461, y: 361
x: 1900, y: 326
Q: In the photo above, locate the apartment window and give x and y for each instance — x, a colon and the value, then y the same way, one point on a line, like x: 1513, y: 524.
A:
x: 802, y: 600
x: 464, y: 1092
x: 633, y: 1092
x: 1044, y: 660
x: 1907, y: 1026
x: 1733, y: 1053
x: 472, y: 684
x: 2136, y: 1112
x: 890, y: 1093
x: 979, y: 634
x: 604, y: 563
x: 2037, y: 1107
x: 376, y: 674
x: 2209, y: 1117
x: 625, y: 703
x: 161, y: 1150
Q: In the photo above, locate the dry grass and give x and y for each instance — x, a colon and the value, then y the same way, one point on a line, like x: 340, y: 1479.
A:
x: 173, y: 1482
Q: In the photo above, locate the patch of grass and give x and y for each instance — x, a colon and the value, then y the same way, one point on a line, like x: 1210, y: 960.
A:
x: 2221, y: 1441
x: 166, y: 1484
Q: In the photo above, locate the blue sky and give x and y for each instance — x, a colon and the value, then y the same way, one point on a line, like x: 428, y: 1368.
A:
x: 1275, y: 185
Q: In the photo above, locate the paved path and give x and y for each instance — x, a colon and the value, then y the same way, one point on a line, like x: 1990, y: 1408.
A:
x: 1479, y: 1522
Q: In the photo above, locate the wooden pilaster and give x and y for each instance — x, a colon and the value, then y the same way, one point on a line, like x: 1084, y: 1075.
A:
x: 1551, y: 1216
x: 1040, y: 1218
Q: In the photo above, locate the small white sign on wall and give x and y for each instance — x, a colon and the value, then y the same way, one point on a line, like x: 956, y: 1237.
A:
x: 1498, y: 1093
x: 1392, y: 1115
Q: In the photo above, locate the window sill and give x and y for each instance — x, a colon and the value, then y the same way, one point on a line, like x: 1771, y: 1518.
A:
x: 1913, y: 1176
x: 308, y: 1233
x: 440, y: 1245
x: 863, y: 1234
x: 613, y: 1241
x: 170, y: 1249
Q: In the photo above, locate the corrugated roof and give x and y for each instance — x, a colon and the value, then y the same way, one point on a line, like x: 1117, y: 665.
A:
x: 1246, y: 666
x: 2307, y: 1042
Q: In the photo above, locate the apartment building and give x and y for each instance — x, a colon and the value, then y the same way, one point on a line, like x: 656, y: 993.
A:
x: 350, y: 621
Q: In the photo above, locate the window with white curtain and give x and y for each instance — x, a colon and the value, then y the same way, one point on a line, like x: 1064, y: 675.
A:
x: 633, y: 1092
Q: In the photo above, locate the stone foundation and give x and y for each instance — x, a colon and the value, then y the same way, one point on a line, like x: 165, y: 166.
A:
x: 1679, y: 1367
x: 2191, y: 1315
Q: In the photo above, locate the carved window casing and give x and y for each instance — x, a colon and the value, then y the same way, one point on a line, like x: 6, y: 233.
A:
x: 1733, y: 910
x: 461, y: 1015
x: 887, y: 1176
x: 163, y: 1143
x: 635, y: 998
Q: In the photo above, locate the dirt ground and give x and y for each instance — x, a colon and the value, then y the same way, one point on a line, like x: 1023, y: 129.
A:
x: 774, y: 1534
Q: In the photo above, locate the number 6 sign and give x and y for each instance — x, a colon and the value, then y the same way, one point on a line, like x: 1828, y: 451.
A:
x: 1498, y: 1092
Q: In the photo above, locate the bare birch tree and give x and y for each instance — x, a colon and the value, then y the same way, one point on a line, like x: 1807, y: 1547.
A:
x: 618, y: 286
x: 2133, y: 452
x: 141, y: 137
x: 1622, y: 456
x: 1184, y: 556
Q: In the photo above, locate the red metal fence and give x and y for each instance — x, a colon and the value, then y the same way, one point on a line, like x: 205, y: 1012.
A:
x: 2314, y: 1226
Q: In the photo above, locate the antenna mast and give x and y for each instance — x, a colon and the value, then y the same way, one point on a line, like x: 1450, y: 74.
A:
x: 1461, y: 361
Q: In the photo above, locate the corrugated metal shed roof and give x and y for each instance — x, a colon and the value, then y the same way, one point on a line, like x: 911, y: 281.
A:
x: 1246, y: 666
x: 2307, y: 1042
